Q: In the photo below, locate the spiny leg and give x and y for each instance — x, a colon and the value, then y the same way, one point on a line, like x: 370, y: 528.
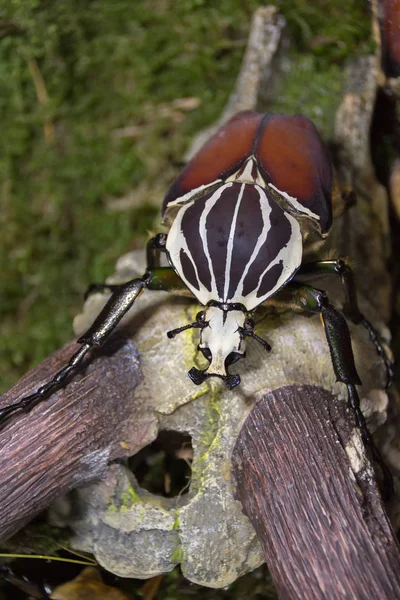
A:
x: 341, y: 269
x: 30, y: 401
x: 309, y: 299
x: 119, y: 303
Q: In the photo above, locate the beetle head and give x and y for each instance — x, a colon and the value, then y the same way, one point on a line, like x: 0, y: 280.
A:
x: 221, y: 342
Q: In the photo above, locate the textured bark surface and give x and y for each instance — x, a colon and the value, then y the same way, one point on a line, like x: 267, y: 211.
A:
x: 323, y: 530
x: 69, y: 440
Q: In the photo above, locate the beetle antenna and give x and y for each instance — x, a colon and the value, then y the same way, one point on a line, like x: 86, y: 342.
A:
x: 199, y: 323
x: 171, y: 334
x: 253, y: 335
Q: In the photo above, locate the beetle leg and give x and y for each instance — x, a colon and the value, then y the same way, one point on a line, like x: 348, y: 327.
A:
x: 113, y: 311
x: 154, y: 247
x: 116, y: 307
x: 28, y: 402
x: 163, y: 278
x: 341, y: 269
x: 309, y: 299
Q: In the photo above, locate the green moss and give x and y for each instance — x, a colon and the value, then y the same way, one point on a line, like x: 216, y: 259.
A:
x: 177, y: 556
x: 320, y: 48
x: 208, y: 436
x: 129, y: 497
x: 107, y: 66
x: 315, y: 94
x: 177, y: 523
x: 330, y: 30
x: 112, y: 508
x: 213, y: 415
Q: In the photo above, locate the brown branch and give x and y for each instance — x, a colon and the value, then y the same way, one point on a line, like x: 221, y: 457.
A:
x: 69, y: 439
x: 323, y: 530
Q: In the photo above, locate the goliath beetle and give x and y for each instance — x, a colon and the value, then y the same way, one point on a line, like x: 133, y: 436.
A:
x: 243, y: 215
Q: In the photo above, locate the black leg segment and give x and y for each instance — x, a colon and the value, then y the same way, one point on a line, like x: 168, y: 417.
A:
x: 339, y: 342
x: 387, y: 479
x: 153, y: 250
x: 111, y: 314
x: 123, y: 297
x: 341, y: 269
x: 154, y: 247
x: 119, y: 303
x: 27, y: 403
x: 338, y: 337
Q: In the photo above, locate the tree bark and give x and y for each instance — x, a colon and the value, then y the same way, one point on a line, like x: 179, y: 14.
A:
x: 69, y: 439
x: 322, y: 526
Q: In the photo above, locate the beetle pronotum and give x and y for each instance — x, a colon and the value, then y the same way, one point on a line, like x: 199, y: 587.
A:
x: 242, y: 216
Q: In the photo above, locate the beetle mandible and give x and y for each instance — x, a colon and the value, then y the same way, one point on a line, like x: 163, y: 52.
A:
x: 242, y: 214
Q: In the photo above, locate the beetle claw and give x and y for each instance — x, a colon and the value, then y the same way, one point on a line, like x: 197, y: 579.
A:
x: 198, y: 377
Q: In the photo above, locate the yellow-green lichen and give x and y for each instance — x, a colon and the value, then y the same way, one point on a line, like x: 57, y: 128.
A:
x: 213, y: 415
x: 177, y: 556
x: 177, y: 522
x: 129, y: 497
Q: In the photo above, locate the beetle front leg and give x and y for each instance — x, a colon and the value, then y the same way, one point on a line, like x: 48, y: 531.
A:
x: 154, y: 247
x: 116, y: 307
x: 122, y: 299
x: 310, y: 299
x: 341, y: 269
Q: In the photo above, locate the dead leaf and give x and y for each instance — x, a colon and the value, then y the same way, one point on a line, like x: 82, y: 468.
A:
x: 151, y: 587
x: 88, y: 586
